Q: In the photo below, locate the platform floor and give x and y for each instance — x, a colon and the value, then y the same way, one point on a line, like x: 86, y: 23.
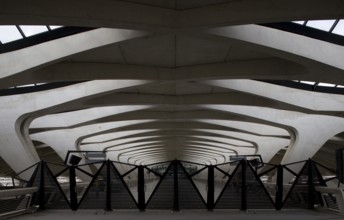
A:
x: 182, y: 215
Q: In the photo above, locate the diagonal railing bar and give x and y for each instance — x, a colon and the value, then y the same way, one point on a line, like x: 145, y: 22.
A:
x: 267, y: 171
x: 129, y: 171
x: 91, y: 183
x: 150, y: 170
x: 320, y: 178
x: 288, y: 164
x: 62, y: 171
x: 291, y: 171
x: 198, y: 171
x: 225, y: 173
x: 123, y: 182
x: 157, y: 186
x: 34, y: 174
x: 17, y: 174
x: 58, y: 185
x: 295, y: 182
x: 192, y: 182
x: 261, y: 183
x: 85, y: 172
x: 228, y: 182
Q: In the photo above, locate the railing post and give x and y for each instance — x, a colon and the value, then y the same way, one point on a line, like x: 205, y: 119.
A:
x: 310, y: 185
x: 243, y: 186
x: 211, y: 190
x: 108, y: 186
x: 41, y: 198
x: 176, y: 193
x: 279, y: 188
x: 72, y: 188
x: 141, y: 188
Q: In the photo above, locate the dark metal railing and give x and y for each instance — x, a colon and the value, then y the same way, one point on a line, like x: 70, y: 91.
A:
x: 178, y: 185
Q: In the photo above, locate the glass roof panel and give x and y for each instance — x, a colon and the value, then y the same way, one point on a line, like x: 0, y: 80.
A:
x: 308, y: 82
x: 339, y: 29
x: 326, y: 84
x: 299, y: 22
x: 9, y: 33
x: 30, y: 30
x: 28, y: 85
x: 52, y: 27
x: 324, y: 25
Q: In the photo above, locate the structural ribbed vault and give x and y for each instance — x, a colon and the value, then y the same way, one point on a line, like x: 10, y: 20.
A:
x: 165, y: 80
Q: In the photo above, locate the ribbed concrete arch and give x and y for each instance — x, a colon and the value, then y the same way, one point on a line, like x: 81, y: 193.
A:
x: 102, y: 138
x: 15, y: 130
x: 267, y: 146
x: 71, y: 136
x: 165, y: 80
x: 264, y: 69
x: 39, y: 55
x: 294, y: 47
x: 306, y: 143
x: 305, y: 99
x: 71, y: 119
x: 185, y: 140
x: 254, y: 128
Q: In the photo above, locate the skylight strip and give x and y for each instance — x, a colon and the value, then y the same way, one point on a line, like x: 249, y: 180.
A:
x: 9, y: 33
x: 30, y: 30
x: 299, y: 22
x: 308, y: 82
x: 52, y: 27
x: 324, y: 25
x: 23, y: 86
x: 339, y: 29
x: 326, y: 84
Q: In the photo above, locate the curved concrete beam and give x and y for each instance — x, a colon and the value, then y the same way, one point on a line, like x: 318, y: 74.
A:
x: 306, y: 99
x: 286, y: 45
x: 39, y: 55
x: 14, y: 131
x: 311, y: 131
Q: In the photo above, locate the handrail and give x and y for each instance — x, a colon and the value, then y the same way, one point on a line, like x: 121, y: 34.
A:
x: 16, y: 201
x: 17, y: 191
x: 339, y: 195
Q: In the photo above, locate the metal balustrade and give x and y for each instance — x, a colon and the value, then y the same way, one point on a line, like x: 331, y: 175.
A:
x: 174, y: 185
x: 16, y: 201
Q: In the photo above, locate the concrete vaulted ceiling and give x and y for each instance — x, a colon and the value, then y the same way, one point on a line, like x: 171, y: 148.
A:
x: 164, y: 80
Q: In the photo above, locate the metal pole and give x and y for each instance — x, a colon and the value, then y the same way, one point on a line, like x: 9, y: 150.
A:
x: 41, y: 187
x: 141, y: 188
x: 108, y: 186
x: 311, y: 199
x: 176, y: 193
x: 243, y: 186
x: 72, y: 188
x: 211, y: 190
x: 279, y: 188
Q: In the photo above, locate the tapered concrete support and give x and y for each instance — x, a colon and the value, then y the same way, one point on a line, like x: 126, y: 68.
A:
x: 14, y: 131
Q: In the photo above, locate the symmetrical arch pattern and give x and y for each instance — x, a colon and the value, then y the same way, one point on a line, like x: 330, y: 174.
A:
x: 165, y: 80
